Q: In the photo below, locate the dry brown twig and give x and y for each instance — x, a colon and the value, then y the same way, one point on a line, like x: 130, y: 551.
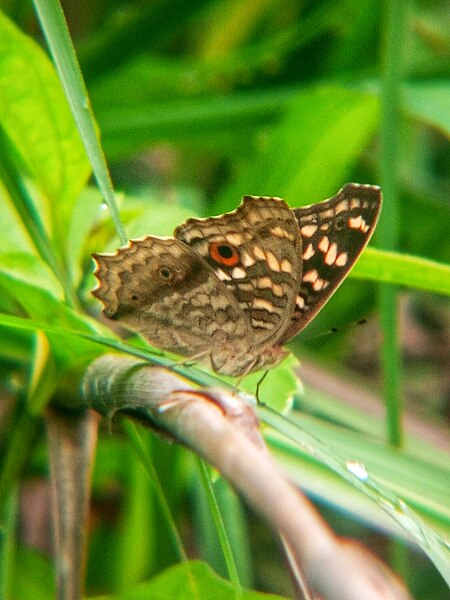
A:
x: 223, y: 429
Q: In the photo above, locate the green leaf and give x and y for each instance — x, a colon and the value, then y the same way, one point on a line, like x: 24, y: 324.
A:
x: 193, y: 580
x: 14, y: 236
x: 37, y: 119
x: 127, y: 129
x: 86, y: 213
x: 279, y: 385
x: 29, y: 281
x: 403, y: 269
x: 429, y: 101
x: 22, y: 267
x: 57, y: 34
x: 43, y: 376
x: 33, y: 577
x: 309, y: 155
x: 357, y: 461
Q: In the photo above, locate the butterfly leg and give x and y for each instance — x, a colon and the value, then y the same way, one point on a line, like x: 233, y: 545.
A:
x: 190, y: 361
x: 258, y: 385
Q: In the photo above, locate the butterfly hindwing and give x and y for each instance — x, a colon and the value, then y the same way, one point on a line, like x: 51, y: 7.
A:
x: 159, y: 288
x: 334, y: 233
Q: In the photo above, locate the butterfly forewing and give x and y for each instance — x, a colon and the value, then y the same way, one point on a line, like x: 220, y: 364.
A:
x: 333, y: 233
x: 161, y: 289
x: 255, y: 250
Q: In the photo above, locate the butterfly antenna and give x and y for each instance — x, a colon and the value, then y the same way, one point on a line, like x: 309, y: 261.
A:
x: 334, y: 330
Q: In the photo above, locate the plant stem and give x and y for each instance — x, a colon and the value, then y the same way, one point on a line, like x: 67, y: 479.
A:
x: 394, y: 25
x: 57, y: 35
x: 220, y: 527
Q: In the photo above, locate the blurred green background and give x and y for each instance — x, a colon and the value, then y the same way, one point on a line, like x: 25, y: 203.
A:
x: 199, y: 103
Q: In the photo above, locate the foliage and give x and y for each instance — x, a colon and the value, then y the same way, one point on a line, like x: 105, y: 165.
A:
x: 197, y: 104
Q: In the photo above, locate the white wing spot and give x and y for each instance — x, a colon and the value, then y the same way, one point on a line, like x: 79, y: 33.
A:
x: 259, y: 253
x: 310, y: 276
x: 264, y: 283
x: 341, y: 207
x: 300, y: 302
x: 222, y: 275
x: 261, y: 324
x: 235, y: 239
x: 286, y: 266
x: 355, y: 222
x: 318, y: 284
x: 324, y: 244
x: 245, y: 286
x: 331, y: 254
x: 308, y: 230
x: 264, y: 305
x: 277, y: 290
x: 272, y: 261
x: 281, y: 233
x: 247, y: 260
x: 341, y: 259
x: 238, y: 273
x: 308, y: 252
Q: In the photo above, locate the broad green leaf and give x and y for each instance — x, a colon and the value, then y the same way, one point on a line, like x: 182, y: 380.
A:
x: 429, y: 101
x: 39, y: 299
x: 36, y: 117
x: 310, y: 153
x: 157, y: 216
x: 86, y: 213
x: 27, y: 268
x: 278, y: 386
x: 16, y: 347
x: 193, y: 580
x: 14, y: 236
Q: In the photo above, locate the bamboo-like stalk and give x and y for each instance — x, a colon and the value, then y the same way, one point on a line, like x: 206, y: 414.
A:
x: 223, y: 429
x: 71, y: 444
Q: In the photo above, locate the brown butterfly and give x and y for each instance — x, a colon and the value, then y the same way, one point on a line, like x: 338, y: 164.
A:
x: 231, y: 290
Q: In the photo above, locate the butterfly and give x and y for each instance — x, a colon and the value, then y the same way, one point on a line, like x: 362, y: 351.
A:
x: 230, y: 290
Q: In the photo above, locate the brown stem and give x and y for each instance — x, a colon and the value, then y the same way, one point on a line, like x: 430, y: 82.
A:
x: 71, y: 444
x: 224, y: 430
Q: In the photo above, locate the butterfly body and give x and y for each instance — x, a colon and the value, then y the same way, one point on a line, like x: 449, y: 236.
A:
x: 231, y: 290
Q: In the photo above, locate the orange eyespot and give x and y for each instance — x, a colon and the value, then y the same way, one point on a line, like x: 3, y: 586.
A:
x: 223, y: 254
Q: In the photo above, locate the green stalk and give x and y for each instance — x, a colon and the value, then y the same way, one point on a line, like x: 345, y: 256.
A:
x: 8, y: 518
x: 394, y: 26
x: 61, y: 48
x: 142, y: 452
x: 220, y: 527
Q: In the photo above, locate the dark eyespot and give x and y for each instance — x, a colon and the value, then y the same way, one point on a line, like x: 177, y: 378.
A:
x: 225, y: 251
x: 165, y: 272
x: 135, y: 297
x: 223, y: 254
x: 339, y: 223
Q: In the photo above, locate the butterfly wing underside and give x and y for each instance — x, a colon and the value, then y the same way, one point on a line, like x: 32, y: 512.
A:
x: 232, y: 289
x: 255, y: 250
x: 161, y: 289
x: 333, y: 233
